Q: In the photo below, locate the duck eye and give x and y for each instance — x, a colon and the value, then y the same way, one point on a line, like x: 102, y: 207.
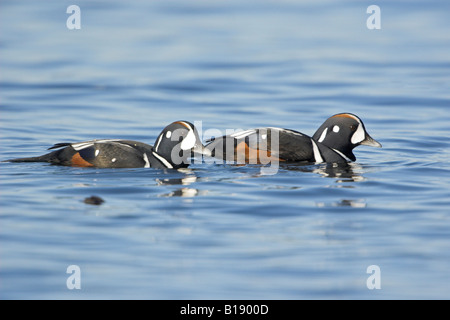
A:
x: 353, y: 127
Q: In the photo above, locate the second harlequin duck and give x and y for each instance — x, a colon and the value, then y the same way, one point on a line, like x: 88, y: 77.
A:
x: 333, y: 142
x: 172, y: 149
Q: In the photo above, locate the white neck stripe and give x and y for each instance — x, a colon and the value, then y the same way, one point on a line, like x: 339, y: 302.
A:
x: 163, y: 161
x: 317, y: 155
x: 147, y: 163
x: 341, y: 154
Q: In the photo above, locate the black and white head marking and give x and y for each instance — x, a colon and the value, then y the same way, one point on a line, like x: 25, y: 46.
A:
x: 342, y: 133
x: 175, y: 144
x: 190, y: 140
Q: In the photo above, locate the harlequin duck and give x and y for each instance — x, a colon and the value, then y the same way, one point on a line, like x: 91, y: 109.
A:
x: 172, y: 149
x: 333, y: 142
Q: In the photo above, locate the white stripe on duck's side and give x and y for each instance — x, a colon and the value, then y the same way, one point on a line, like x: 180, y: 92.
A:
x: 242, y: 134
x: 246, y: 133
x: 288, y: 131
x: 83, y: 145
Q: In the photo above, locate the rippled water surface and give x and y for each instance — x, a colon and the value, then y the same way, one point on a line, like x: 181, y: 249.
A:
x: 217, y: 231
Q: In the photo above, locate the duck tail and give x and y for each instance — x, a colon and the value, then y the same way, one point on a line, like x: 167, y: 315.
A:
x: 30, y: 159
x: 49, y: 157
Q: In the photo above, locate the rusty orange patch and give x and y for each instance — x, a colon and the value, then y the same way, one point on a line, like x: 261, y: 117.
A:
x: 184, y: 124
x: 253, y: 156
x: 345, y: 115
x: 78, y: 161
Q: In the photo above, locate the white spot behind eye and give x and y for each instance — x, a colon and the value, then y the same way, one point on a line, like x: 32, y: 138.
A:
x: 336, y: 129
x: 168, y: 134
x: 323, y: 135
x: 189, y: 141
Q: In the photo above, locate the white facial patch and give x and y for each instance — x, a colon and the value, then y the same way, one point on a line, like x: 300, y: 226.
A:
x: 323, y: 135
x: 97, y: 152
x: 189, y: 141
x: 168, y: 134
x: 336, y: 129
x: 359, y: 135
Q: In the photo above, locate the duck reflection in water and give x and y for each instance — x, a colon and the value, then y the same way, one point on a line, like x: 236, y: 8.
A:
x: 344, y: 175
x: 187, y: 179
x: 344, y: 172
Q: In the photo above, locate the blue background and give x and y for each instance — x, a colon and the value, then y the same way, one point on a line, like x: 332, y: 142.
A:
x: 220, y: 231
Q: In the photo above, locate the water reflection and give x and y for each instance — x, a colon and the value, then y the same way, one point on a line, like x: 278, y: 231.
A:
x: 186, y: 180
x: 358, y: 203
x: 342, y: 172
x: 348, y: 172
x: 344, y: 175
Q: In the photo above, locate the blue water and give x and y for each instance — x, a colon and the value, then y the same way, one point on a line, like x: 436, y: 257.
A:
x: 217, y: 231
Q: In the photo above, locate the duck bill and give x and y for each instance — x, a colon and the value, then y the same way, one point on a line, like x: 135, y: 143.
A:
x: 201, y: 149
x: 369, y: 141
